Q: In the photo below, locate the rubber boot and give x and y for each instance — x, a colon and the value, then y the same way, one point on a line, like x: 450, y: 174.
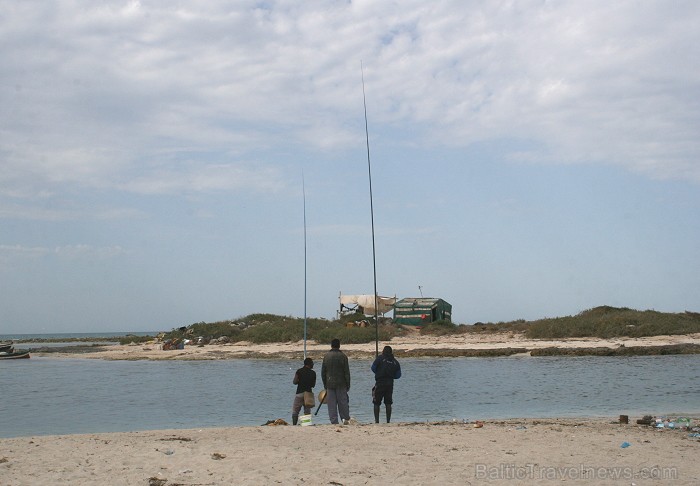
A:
x: 376, y: 414
x: 295, y: 419
x: 388, y: 413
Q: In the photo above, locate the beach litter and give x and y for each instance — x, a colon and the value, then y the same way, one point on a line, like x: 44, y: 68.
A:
x: 625, y: 445
x: 666, y: 423
x: 478, y: 424
x: 278, y: 421
x: 154, y: 481
x: 217, y: 457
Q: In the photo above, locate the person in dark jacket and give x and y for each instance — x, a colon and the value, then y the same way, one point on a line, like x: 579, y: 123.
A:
x: 305, y: 380
x: 386, y: 369
x: 335, y: 373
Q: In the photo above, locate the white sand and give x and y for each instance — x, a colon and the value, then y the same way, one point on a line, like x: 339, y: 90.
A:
x: 512, y: 452
x: 413, y: 341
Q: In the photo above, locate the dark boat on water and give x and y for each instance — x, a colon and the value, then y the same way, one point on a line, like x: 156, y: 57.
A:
x: 7, y: 351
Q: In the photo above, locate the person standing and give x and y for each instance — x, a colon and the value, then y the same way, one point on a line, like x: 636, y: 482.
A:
x: 335, y: 373
x: 386, y: 369
x: 305, y: 380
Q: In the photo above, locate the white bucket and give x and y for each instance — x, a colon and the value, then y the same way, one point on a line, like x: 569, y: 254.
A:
x: 305, y: 420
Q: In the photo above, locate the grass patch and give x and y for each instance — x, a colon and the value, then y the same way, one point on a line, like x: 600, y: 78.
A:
x: 609, y: 322
x: 601, y: 322
x: 270, y: 328
x: 135, y: 339
x: 442, y: 328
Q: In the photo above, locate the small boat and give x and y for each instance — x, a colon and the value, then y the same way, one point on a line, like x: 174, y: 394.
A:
x: 10, y: 353
x: 5, y: 346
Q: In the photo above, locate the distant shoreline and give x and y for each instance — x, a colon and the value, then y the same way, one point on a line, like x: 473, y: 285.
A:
x: 414, y: 346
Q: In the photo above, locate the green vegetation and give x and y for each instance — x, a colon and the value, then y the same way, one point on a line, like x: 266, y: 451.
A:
x: 443, y: 328
x: 134, y: 339
x: 608, y: 322
x: 601, y: 322
x: 270, y: 328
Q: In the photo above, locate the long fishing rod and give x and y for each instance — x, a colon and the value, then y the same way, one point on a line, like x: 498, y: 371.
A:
x: 303, y: 190
x: 371, y: 209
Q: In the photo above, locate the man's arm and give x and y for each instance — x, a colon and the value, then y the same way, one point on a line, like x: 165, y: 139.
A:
x: 347, y: 372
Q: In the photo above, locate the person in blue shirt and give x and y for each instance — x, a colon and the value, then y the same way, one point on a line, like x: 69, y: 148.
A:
x: 386, y: 369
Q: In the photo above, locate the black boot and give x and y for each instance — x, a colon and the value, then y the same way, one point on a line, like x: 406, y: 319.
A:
x: 295, y: 419
x: 376, y: 414
x: 388, y: 414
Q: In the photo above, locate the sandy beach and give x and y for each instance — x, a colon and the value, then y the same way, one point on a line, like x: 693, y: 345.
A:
x: 500, y: 452
x: 411, y: 345
x: 513, y: 451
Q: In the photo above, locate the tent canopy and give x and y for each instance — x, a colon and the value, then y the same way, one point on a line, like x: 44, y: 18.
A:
x: 366, y: 303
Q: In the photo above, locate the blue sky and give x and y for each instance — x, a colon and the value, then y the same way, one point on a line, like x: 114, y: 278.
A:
x: 530, y: 159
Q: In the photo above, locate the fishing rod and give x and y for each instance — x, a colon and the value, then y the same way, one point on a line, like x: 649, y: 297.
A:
x: 303, y: 190
x: 371, y: 209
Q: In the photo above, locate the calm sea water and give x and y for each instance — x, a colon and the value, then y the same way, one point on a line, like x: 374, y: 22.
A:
x: 33, y: 341
x: 63, y: 396
x: 71, y: 335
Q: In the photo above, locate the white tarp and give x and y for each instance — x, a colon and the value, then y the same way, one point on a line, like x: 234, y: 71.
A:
x: 384, y: 304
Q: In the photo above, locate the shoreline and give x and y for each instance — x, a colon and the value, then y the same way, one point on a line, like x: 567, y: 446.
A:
x: 410, y: 346
x: 513, y: 451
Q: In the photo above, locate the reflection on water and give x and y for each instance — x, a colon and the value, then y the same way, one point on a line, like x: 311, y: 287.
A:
x: 54, y: 396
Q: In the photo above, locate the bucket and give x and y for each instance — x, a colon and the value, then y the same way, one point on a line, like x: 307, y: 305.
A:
x: 305, y: 420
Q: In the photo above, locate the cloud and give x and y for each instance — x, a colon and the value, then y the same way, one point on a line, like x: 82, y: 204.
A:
x: 47, y: 212
x: 356, y: 229
x: 70, y: 252
x: 205, y: 178
x: 120, y: 95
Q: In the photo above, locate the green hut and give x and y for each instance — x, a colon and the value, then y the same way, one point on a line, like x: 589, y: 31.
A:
x: 419, y: 311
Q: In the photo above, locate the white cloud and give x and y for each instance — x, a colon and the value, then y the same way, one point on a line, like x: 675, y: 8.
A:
x: 117, y: 95
x: 205, y: 178
x: 71, y: 252
x: 47, y: 212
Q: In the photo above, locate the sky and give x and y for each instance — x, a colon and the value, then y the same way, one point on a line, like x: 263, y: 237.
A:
x: 528, y: 159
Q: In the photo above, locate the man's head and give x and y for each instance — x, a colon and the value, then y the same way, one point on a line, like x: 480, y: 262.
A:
x: 387, y: 350
x: 309, y: 363
x: 335, y: 344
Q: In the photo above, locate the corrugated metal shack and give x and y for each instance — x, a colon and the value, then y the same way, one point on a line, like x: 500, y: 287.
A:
x: 419, y: 311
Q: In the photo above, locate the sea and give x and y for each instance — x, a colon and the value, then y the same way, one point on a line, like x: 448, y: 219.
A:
x: 29, y: 341
x: 49, y: 396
